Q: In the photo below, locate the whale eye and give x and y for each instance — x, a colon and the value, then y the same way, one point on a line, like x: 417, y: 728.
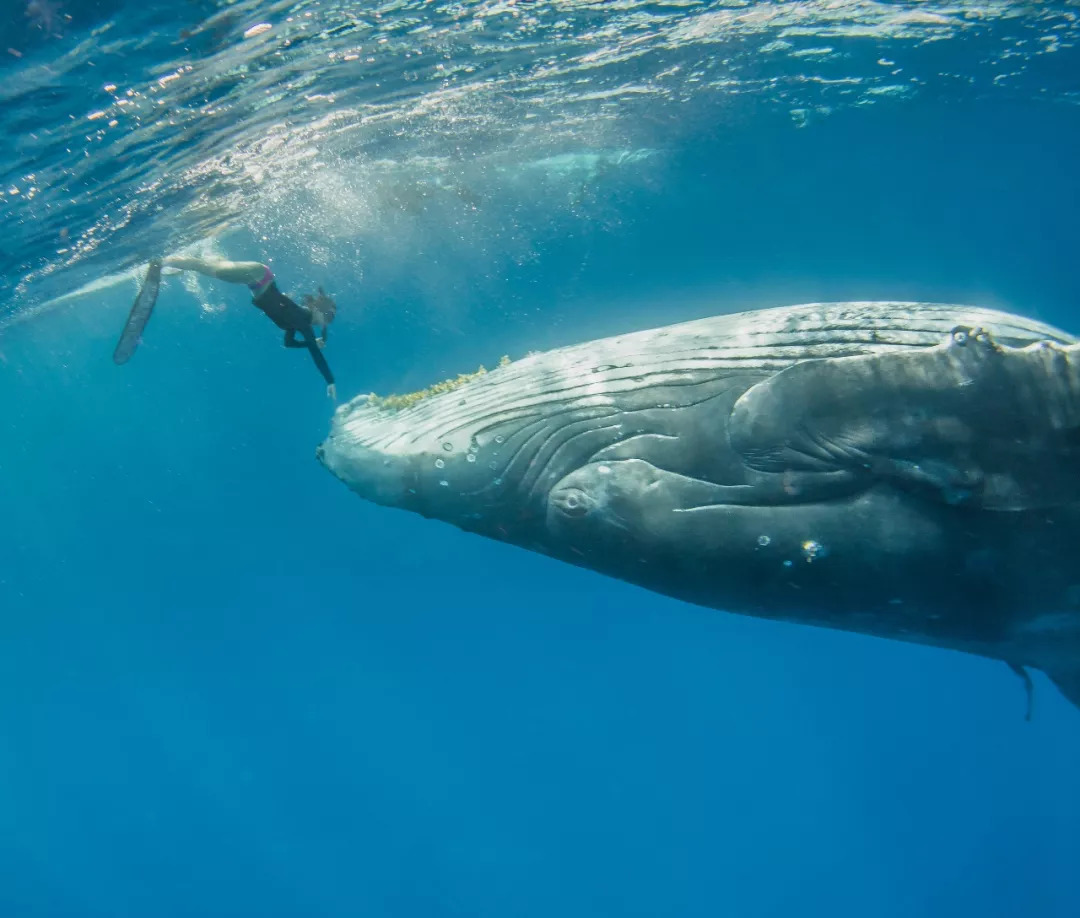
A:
x: 572, y: 502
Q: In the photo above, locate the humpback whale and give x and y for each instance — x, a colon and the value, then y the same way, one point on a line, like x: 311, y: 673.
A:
x: 906, y: 470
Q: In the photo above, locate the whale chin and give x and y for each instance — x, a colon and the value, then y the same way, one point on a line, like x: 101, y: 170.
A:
x: 370, y: 473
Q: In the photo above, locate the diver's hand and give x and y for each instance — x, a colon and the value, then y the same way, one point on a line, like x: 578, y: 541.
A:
x: 331, y: 392
x: 321, y: 342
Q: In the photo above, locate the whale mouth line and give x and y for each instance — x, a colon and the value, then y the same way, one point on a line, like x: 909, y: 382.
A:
x: 488, y: 410
x: 719, y: 505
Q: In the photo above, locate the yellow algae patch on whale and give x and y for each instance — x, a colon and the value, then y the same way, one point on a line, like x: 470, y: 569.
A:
x: 399, y: 402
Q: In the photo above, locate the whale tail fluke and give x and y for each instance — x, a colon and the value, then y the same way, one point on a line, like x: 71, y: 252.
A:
x: 1068, y: 681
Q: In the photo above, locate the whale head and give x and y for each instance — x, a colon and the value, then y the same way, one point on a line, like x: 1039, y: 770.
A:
x: 488, y: 454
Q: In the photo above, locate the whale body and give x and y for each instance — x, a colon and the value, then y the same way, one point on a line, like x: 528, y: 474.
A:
x: 906, y: 470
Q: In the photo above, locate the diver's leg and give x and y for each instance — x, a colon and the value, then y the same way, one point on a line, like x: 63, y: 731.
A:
x: 232, y: 272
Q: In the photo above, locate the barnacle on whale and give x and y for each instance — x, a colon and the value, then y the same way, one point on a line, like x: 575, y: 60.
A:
x: 407, y: 400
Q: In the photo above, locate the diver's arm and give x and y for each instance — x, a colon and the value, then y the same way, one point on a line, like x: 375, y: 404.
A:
x: 232, y: 272
x: 320, y: 361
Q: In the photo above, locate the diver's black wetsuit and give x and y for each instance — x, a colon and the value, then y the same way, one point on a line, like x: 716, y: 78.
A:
x: 287, y: 315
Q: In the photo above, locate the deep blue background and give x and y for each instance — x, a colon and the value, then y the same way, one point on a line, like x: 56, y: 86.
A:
x: 229, y: 687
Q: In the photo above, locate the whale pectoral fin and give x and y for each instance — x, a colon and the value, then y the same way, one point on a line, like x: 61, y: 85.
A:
x: 968, y: 420
x: 1067, y: 681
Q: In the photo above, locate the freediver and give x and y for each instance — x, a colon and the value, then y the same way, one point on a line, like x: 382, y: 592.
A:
x: 315, y: 309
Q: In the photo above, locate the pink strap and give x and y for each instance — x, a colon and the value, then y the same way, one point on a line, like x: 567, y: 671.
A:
x: 263, y: 282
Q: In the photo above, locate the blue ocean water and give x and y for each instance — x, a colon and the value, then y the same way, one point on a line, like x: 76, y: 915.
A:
x: 230, y: 688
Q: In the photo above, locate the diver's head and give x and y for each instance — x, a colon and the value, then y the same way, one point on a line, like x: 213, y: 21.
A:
x: 322, y: 306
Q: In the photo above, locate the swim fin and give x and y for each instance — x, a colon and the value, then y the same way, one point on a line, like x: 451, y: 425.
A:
x: 139, y: 315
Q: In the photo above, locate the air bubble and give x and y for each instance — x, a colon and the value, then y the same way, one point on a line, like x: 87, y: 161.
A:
x: 448, y: 446
x: 444, y: 483
x: 763, y: 540
x: 498, y: 481
x: 812, y: 550
x: 500, y: 439
x: 787, y: 563
x: 470, y: 458
x: 439, y: 463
